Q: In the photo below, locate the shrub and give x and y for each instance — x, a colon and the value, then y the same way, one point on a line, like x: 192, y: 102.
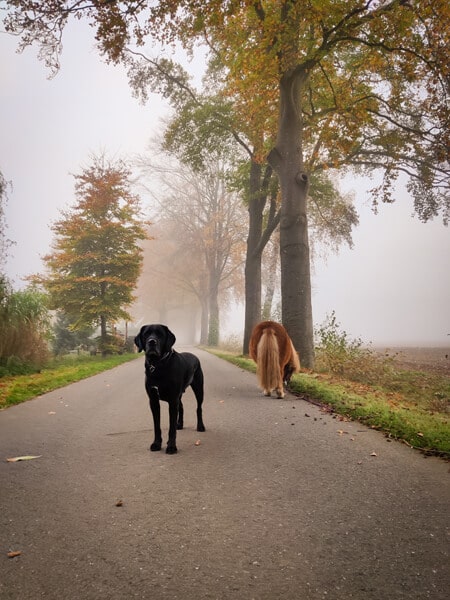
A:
x: 341, y: 355
x: 24, y: 330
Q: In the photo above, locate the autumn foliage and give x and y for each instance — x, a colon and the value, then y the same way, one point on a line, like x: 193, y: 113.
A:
x: 96, y: 258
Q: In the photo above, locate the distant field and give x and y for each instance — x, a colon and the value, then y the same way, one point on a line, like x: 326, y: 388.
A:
x: 421, y: 359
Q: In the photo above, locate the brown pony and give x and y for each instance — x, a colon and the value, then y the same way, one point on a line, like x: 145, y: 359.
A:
x: 275, y: 356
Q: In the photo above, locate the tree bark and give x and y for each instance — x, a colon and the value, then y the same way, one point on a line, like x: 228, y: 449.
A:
x: 204, y: 323
x: 287, y: 161
x: 214, y: 318
x: 253, y: 255
x: 271, y: 278
x: 103, y: 334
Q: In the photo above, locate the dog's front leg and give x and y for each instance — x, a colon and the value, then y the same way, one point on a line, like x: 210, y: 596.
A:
x: 180, y: 422
x: 173, y: 415
x: 156, y: 413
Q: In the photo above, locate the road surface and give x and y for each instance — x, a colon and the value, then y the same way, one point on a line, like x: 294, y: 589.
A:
x: 278, y: 501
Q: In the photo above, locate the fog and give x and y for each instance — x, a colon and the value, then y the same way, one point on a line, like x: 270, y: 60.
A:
x: 392, y: 288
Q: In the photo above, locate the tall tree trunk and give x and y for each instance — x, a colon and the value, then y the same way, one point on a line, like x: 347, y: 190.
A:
x: 287, y: 161
x: 253, y: 255
x: 204, y: 323
x: 252, y: 294
x: 213, y: 329
x: 271, y: 278
x: 103, y: 334
x: 204, y: 317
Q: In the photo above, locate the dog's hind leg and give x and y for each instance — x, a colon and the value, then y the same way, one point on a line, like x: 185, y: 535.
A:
x: 173, y: 416
x: 197, y: 387
x: 155, y: 408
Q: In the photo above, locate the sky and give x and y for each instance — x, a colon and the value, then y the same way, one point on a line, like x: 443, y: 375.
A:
x: 391, y: 289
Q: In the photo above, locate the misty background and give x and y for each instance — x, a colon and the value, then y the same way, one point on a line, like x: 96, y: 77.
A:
x: 392, y: 288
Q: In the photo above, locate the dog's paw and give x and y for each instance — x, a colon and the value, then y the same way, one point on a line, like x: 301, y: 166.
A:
x: 201, y: 427
x: 155, y: 447
x: 171, y: 450
x: 180, y: 425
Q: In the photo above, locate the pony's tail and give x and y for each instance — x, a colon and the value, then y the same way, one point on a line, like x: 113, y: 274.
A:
x: 268, y: 363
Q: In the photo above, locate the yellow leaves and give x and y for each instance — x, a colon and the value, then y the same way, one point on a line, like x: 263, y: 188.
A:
x: 20, y: 458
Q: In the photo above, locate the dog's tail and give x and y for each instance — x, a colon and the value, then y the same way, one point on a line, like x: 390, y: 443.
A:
x: 268, y: 362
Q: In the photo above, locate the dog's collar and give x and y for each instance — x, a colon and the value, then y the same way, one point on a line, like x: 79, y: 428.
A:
x: 163, y: 358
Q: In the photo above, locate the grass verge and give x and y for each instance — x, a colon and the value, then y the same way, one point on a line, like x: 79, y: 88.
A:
x: 59, y: 373
x: 414, y: 411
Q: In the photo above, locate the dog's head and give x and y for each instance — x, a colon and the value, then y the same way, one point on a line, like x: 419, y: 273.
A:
x: 155, y: 340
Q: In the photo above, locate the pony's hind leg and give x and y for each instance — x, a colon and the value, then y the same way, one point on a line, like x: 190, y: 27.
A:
x: 280, y: 392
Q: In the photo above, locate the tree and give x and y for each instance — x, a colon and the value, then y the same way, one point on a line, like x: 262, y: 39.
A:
x: 201, y: 128
x: 65, y: 339
x: 346, y: 76
x: 180, y: 291
x: 348, y: 83
x: 204, y: 221
x: 96, y: 258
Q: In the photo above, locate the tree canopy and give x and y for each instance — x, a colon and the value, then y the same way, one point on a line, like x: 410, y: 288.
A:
x: 376, y: 72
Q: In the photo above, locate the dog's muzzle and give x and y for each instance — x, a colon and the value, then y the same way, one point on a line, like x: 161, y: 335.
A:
x: 152, y: 347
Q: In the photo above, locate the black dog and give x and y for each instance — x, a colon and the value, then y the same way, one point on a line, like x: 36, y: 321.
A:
x: 167, y: 375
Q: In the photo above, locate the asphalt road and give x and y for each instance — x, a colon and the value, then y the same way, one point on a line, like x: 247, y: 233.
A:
x: 279, y: 500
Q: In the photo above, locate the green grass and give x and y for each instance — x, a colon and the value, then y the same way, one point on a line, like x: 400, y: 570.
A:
x: 411, y: 406
x: 16, y: 389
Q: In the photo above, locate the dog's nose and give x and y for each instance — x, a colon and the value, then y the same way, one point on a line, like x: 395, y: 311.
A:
x: 151, y: 342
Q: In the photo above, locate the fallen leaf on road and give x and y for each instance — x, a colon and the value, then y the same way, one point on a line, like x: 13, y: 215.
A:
x: 197, y: 443
x: 374, y: 454
x: 14, y: 554
x: 52, y: 412
x: 119, y: 503
x: 17, y: 458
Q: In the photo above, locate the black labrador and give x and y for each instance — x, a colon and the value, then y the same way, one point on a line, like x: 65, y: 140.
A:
x: 167, y: 375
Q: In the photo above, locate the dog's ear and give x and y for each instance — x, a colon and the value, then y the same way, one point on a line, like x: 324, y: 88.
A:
x: 170, y: 339
x: 138, y: 340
